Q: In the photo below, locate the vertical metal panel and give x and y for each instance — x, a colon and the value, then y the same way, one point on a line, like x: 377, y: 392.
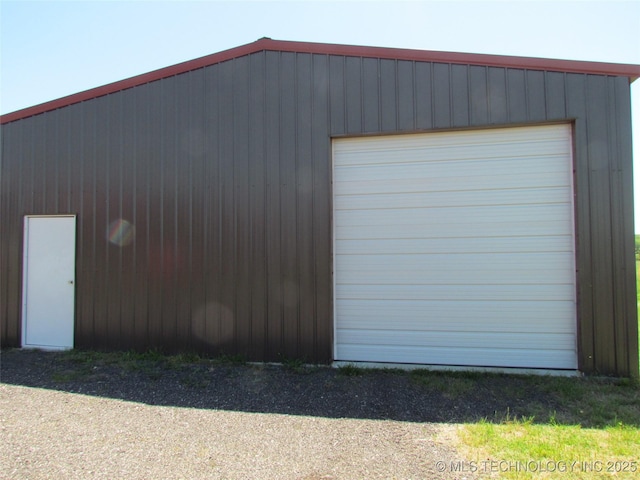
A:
x: 424, y: 104
x: 289, y: 207
x: 102, y: 159
x: 197, y: 144
x: 322, y: 198
x: 478, y: 96
x: 85, y: 246
x: 172, y: 254
x: 536, y: 96
x: 11, y: 172
x: 555, y: 96
x: 460, y: 95
x: 370, y: 95
x: 337, y: 105
x: 257, y: 213
x: 600, y: 213
x: 406, y: 96
x: 114, y: 139
x: 306, y: 316
x: 620, y: 233
x: 241, y: 136
x: 274, y: 245
x: 188, y: 141
x: 617, y: 221
x: 497, y: 95
x: 78, y: 188
x: 225, y: 174
x: 388, y: 95
x: 144, y: 182
x: 154, y: 208
x: 211, y: 312
x: 516, y: 96
x: 226, y: 234
x: 441, y: 92
x: 576, y: 99
x: 48, y: 164
x: 39, y: 152
x: 625, y: 306
x: 353, y: 92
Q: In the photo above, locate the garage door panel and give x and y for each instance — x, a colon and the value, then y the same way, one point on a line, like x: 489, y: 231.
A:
x: 458, y: 229
x: 525, y: 166
x: 548, y: 134
x: 456, y: 245
x: 451, y: 277
x: 455, y: 269
x: 467, y: 339
x: 447, y: 144
x: 516, y: 358
x: 552, y: 292
x: 483, y: 218
x: 552, y: 243
x: 450, y: 152
x: 457, y: 316
x: 524, y: 196
x: 493, y: 181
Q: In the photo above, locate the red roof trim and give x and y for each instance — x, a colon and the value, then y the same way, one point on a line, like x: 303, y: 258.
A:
x: 571, y: 66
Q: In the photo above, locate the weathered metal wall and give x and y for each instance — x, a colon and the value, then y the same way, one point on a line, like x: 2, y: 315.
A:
x: 225, y: 172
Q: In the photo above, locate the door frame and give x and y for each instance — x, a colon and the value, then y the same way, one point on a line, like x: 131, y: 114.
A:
x: 25, y: 263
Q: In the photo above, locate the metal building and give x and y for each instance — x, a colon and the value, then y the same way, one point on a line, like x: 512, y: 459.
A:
x: 329, y: 202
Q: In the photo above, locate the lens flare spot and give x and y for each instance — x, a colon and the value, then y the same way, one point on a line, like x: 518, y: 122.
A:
x: 121, y: 232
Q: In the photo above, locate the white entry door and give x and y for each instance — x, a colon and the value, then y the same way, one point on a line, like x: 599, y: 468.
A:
x: 48, y: 282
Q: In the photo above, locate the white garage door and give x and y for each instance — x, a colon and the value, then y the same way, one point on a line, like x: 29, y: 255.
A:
x: 456, y: 248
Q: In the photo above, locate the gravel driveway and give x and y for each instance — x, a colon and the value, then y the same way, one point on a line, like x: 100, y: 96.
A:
x: 60, y: 419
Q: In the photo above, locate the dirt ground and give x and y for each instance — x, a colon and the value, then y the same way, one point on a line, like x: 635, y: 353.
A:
x: 60, y: 418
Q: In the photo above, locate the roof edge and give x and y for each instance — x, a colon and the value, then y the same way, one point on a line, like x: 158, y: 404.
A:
x: 528, y: 63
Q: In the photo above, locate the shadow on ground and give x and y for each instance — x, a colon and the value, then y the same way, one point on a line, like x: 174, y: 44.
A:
x: 293, y: 389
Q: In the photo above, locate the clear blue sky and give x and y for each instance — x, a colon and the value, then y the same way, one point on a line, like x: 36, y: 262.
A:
x: 50, y: 49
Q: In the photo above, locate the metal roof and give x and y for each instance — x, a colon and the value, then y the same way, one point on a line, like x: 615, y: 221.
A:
x: 264, y: 44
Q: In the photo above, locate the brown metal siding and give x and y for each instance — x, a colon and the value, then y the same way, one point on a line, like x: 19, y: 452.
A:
x: 225, y: 172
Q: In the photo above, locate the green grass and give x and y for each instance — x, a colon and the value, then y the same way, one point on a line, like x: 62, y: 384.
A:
x: 296, y: 365
x: 81, y: 364
x: 516, y: 443
x: 450, y: 384
x: 350, y: 370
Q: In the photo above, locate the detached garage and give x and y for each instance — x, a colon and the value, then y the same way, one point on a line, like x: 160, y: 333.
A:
x: 330, y: 203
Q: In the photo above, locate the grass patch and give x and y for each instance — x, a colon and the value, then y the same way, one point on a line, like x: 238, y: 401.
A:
x: 350, y: 370
x: 71, y: 375
x: 83, y: 363
x: 450, y: 384
x: 194, y: 380
x: 225, y: 359
x: 80, y: 357
x: 296, y: 365
x: 181, y: 359
x: 595, y: 433
x: 517, y: 445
